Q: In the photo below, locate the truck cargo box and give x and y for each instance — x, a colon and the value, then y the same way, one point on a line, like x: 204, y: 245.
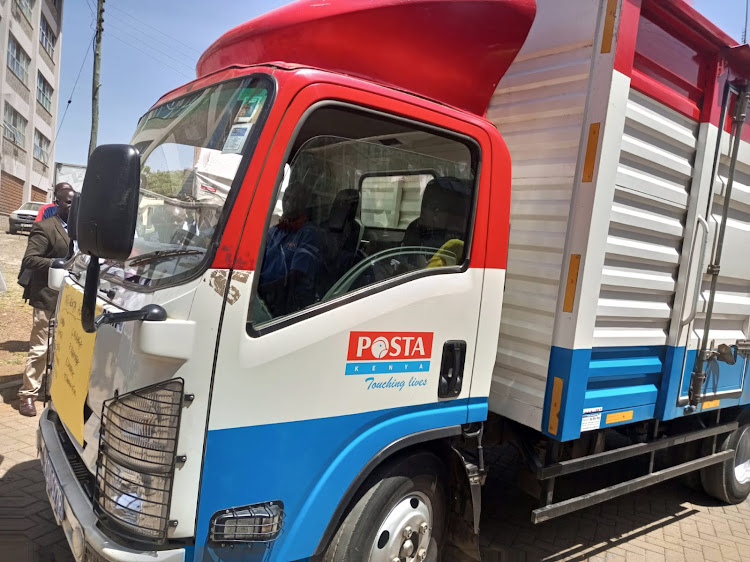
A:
x: 611, y: 113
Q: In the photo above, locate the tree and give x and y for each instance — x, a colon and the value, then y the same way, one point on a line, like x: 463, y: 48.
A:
x: 164, y: 182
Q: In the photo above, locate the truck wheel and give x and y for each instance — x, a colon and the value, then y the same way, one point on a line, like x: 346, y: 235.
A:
x: 12, y: 230
x: 401, y: 515
x: 730, y: 480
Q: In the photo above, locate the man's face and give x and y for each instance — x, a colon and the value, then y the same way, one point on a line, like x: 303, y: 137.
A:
x: 175, y: 216
x: 64, y: 200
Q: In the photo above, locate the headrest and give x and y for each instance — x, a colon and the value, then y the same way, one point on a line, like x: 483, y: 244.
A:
x: 445, y: 198
x: 343, y: 209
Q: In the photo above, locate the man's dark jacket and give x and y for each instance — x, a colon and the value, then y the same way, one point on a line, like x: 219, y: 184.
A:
x: 48, y: 240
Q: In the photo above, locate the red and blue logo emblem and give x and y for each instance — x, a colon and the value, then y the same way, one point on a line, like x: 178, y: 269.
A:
x: 373, y: 353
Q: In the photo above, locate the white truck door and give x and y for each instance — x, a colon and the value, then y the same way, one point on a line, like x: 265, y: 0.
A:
x: 358, y: 327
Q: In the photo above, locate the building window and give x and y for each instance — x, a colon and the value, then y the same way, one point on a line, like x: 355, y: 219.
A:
x: 18, y: 60
x: 25, y: 6
x: 44, y: 92
x: 15, y: 126
x: 47, y: 37
x: 41, y: 147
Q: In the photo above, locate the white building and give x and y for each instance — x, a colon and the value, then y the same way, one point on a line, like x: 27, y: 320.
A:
x: 30, y: 45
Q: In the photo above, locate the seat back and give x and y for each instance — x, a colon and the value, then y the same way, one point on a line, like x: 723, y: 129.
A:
x: 446, y: 204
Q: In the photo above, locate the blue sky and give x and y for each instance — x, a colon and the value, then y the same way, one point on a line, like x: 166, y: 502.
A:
x: 140, y: 63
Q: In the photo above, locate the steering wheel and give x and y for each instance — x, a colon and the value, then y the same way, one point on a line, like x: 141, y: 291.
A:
x: 344, y: 284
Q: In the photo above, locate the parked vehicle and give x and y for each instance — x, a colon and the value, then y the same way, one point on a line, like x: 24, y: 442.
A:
x: 347, y: 277
x: 23, y: 217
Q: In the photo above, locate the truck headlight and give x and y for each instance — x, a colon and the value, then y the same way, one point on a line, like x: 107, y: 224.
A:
x: 135, y: 467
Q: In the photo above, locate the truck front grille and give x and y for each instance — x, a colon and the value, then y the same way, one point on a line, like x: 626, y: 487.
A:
x: 82, y: 474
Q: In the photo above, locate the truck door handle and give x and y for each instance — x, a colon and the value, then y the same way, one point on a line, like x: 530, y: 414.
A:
x: 452, y: 369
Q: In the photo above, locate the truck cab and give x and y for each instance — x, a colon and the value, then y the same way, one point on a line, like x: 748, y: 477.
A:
x: 305, y: 300
x: 280, y: 292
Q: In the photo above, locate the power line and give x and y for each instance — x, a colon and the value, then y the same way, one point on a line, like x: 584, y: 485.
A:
x: 91, y: 8
x: 156, y: 49
x: 70, y: 98
x: 192, y: 60
x: 155, y: 29
x: 150, y: 55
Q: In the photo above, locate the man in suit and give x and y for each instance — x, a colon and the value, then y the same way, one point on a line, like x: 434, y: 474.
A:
x: 48, y: 240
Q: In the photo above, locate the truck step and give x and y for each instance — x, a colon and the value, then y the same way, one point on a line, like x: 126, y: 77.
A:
x: 567, y: 506
x: 615, y: 455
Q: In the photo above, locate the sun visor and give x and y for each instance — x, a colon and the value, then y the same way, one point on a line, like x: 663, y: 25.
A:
x: 451, y: 51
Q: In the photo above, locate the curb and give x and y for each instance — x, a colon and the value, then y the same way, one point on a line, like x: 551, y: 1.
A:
x: 9, y: 390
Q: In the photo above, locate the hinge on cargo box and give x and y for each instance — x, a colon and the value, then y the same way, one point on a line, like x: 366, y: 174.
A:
x: 721, y: 67
x: 743, y: 347
x: 713, y: 269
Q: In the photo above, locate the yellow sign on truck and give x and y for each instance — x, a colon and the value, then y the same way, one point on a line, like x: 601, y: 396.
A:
x: 74, y: 353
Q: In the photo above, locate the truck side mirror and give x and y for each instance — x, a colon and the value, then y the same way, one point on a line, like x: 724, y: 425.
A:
x: 107, y: 214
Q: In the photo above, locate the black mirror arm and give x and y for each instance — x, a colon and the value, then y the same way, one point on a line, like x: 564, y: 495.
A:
x: 150, y: 312
x: 88, y: 307
x: 62, y: 263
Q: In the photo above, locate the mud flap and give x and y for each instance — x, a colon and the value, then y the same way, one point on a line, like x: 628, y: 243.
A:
x: 462, y: 539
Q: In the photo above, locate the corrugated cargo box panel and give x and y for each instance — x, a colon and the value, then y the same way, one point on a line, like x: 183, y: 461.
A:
x: 539, y: 109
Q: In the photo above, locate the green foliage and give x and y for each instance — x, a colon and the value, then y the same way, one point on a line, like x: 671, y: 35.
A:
x: 164, y: 182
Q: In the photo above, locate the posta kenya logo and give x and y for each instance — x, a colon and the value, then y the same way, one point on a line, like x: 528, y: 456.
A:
x: 388, y: 352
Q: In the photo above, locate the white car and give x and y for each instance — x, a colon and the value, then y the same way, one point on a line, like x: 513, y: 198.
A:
x: 23, y: 218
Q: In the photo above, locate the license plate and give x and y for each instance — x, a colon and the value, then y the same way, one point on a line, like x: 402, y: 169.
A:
x: 54, y: 489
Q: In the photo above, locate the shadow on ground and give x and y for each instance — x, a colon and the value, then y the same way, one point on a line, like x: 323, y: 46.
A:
x: 507, y: 532
x: 15, y: 346
x: 28, y: 532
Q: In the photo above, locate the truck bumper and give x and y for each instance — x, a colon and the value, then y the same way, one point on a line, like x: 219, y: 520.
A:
x: 78, y: 520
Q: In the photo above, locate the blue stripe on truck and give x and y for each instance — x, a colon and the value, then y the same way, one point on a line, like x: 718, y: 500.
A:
x: 306, y: 464
x: 609, y: 380
x: 635, y: 382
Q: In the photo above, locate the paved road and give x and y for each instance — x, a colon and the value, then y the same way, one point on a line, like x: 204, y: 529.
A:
x: 667, y: 522
x: 28, y: 532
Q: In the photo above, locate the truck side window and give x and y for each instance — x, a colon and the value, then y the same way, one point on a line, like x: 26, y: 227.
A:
x: 363, y: 199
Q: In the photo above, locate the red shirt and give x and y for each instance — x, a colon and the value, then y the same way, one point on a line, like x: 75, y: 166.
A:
x: 43, y: 208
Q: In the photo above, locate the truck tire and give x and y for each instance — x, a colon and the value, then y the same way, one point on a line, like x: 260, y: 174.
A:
x: 12, y: 230
x: 401, y: 515
x: 730, y: 480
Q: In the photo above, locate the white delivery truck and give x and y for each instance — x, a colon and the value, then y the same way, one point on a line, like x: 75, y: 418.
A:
x: 389, y: 234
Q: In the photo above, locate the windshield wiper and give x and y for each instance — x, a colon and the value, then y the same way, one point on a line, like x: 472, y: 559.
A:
x: 160, y: 255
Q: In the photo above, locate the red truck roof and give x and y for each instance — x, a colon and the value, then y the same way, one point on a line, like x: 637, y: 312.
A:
x: 451, y: 51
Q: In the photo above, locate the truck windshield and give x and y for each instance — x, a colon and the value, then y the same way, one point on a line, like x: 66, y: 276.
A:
x: 191, y: 149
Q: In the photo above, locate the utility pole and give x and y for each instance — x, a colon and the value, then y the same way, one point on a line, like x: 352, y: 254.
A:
x: 95, y: 82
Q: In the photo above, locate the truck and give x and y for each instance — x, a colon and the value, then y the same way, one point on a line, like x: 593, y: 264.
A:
x: 384, y: 236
